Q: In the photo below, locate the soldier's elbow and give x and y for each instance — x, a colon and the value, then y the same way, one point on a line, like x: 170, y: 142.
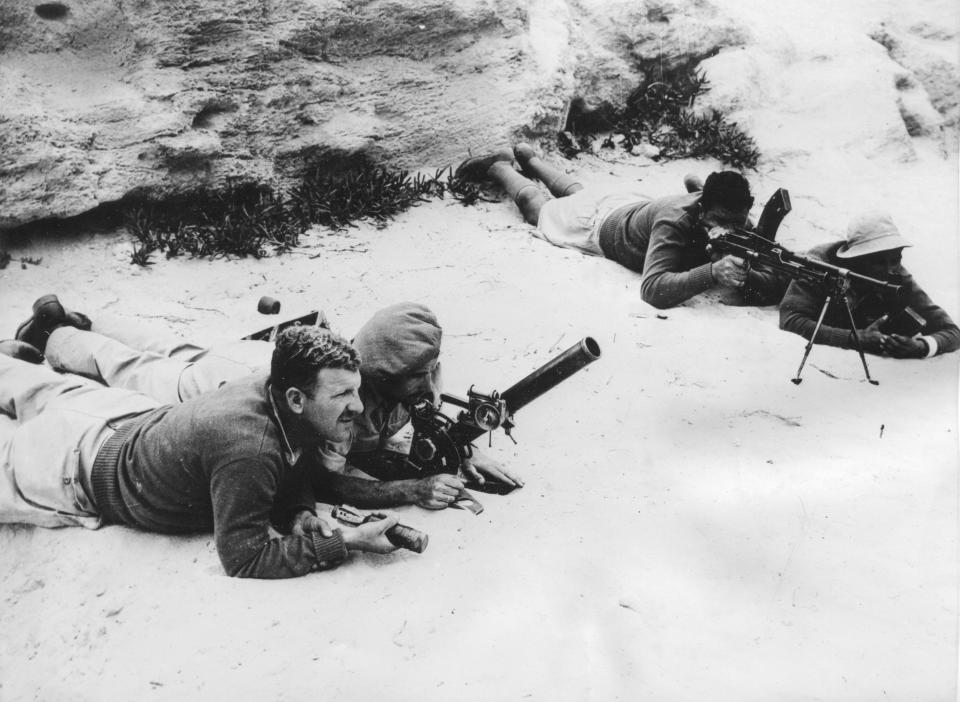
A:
x: 650, y: 296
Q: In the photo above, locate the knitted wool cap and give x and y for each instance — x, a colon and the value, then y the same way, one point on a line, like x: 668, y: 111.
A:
x: 399, y: 339
x: 870, y: 233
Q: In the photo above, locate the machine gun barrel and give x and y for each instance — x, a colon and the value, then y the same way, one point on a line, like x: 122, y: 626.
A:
x: 831, y: 271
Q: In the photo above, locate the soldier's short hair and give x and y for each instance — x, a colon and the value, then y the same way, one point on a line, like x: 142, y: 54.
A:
x: 300, y: 352
x: 727, y: 189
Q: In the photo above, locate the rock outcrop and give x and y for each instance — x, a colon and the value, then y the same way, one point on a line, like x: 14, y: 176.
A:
x: 870, y: 93
x: 110, y: 98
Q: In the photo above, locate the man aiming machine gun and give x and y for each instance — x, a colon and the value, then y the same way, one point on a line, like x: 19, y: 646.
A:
x: 661, y: 238
x: 834, y: 280
x: 762, y: 285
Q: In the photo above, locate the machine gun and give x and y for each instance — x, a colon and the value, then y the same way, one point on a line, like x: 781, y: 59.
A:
x: 756, y: 249
x: 441, y: 444
x: 777, y: 207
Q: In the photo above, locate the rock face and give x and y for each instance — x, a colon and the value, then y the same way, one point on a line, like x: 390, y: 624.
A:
x: 107, y: 98
x: 806, y: 90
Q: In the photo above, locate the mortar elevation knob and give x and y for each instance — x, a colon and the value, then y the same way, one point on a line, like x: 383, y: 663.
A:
x: 268, y: 305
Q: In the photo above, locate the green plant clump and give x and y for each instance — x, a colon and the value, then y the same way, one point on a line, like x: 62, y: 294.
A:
x: 659, y: 113
x: 376, y: 193
x: 244, y: 220
x: 240, y: 221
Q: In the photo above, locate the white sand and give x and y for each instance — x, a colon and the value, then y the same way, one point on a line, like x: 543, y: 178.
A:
x: 694, y: 526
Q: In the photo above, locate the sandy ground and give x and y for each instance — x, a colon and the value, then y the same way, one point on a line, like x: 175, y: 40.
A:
x: 694, y: 526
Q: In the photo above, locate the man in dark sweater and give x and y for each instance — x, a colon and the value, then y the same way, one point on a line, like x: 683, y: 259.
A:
x: 232, y: 461
x: 873, y: 248
x: 665, y: 238
x: 399, y: 347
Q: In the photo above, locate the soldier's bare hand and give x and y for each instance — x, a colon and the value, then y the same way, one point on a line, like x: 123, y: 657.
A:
x: 899, y: 346
x: 730, y: 272
x: 480, y: 466
x: 437, y: 491
x: 872, y: 340
x: 371, y: 536
x: 305, y: 522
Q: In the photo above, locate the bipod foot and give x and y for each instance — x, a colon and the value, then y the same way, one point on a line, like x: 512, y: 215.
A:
x: 796, y: 381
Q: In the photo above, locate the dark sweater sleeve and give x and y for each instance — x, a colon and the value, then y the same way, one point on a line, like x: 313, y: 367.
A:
x: 939, y: 324
x: 799, y: 312
x: 665, y: 282
x: 295, y: 495
x: 243, y: 494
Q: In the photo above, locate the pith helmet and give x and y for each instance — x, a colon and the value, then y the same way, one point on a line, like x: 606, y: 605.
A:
x: 870, y: 233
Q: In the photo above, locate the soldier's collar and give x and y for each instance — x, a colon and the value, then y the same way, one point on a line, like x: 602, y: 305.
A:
x: 290, y: 453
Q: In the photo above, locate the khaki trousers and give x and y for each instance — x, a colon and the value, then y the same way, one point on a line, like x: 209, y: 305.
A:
x: 51, y: 427
x: 168, y: 369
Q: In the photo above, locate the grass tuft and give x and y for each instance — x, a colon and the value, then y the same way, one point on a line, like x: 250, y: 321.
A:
x: 243, y: 220
x: 247, y: 220
x: 6, y: 258
x: 372, y: 193
x: 660, y: 113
